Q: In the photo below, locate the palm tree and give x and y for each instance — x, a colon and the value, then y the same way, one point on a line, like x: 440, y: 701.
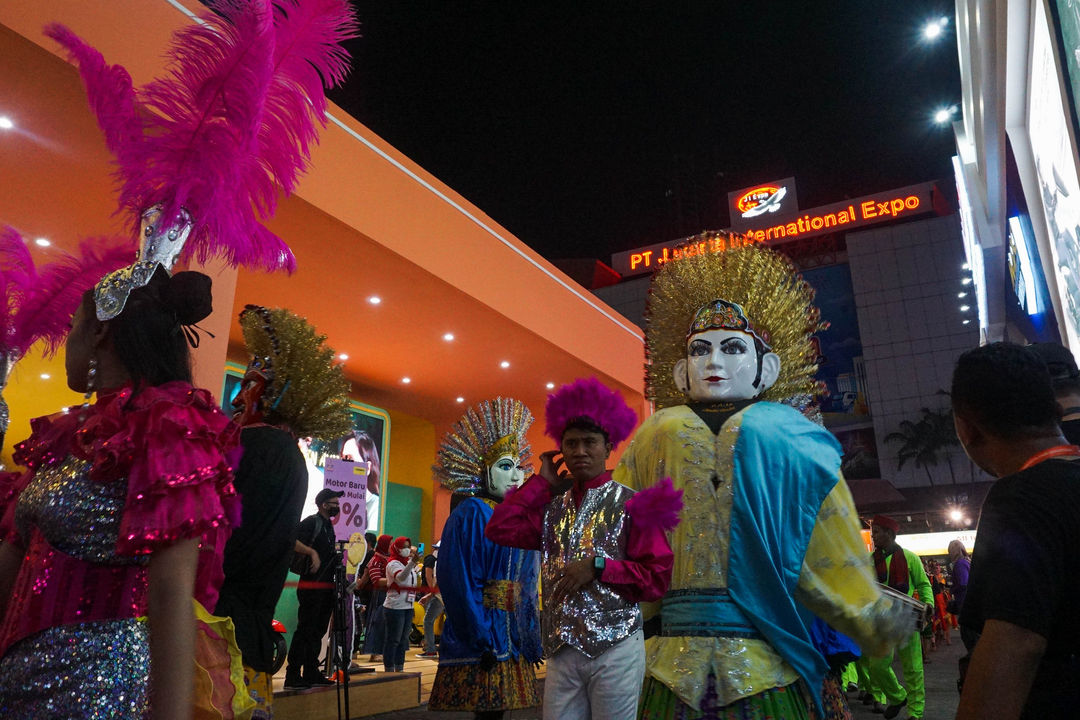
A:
x: 925, y: 441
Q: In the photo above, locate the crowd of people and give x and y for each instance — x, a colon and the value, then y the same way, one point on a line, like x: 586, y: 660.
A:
x: 716, y: 571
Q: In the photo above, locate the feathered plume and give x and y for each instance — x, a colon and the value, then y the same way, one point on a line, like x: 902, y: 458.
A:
x: 591, y: 399
x: 40, y: 303
x: 232, y: 120
x: 657, y: 506
x: 17, y: 275
x: 308, y: 57
x: 199, y: 148
x: 109, y: 90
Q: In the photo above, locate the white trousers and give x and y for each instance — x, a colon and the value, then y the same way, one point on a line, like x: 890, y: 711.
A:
x: 603, y: 688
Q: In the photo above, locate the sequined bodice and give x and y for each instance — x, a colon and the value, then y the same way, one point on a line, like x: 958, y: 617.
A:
x: 71, y: 572
x: 77, y: 516
x: 597, y: 617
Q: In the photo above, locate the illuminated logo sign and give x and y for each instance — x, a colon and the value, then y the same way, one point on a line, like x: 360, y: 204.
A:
x: 760, y: 200
x: 762, y: 203
x: 848, y: 215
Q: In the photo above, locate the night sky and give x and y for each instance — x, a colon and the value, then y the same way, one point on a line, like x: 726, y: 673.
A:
x: 587, y: 128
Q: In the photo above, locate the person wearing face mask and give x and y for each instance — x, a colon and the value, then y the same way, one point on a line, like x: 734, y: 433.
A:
x: 315, y: 605
x: 768, y: 534
x: 401, y: 583
x: 491, y: 635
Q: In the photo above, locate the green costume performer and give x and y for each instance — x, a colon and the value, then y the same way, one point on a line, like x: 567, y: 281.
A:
x: 890, y: 560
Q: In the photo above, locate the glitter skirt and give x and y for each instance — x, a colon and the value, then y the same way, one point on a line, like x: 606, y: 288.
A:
x: 94, y: 670
x: 510, y: 685
x: 658, y: 702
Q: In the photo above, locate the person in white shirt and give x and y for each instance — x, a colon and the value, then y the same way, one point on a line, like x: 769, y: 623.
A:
x: 401, y: 583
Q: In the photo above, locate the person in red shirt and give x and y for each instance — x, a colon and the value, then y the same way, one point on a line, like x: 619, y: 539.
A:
x: 376, y: 573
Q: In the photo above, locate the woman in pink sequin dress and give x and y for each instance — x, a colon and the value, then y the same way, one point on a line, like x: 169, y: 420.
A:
x: 119, y: 520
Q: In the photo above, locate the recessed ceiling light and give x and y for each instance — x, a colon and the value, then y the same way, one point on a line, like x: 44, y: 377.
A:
x: 460, y: 399
x: 504, y: 364
x: 967, y: 322
x: 406, y: 380
x: 374, y: 299
x: 448, y: 337
x: 550, y: 386
x: 6, y: 123
x: 42, y: 242
x: 45, y: 376
x: 966, y: 281
x: 965, y: 308
x: 342, y: 356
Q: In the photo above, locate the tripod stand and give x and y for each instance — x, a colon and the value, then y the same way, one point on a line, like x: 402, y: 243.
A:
x: 338, y: 653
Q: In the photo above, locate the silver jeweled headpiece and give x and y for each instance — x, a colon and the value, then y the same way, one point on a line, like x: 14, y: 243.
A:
x: 160, y: 243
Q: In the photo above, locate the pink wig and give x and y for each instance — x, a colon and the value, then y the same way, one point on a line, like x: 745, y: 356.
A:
x: 588, y: 398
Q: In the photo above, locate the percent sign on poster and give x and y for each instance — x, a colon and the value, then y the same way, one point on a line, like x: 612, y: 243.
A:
x: 352, y: 514
x: 350, y: 478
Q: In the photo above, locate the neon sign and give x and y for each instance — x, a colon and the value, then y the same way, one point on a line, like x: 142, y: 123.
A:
x: 760, y: 200
x: 867, y: 210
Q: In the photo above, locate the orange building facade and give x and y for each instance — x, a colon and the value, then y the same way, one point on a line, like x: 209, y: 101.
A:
x: 366, y: 222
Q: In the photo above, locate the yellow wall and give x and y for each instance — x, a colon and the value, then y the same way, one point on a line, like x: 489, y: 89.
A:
x: 29, y: 396
x: 412, y: 453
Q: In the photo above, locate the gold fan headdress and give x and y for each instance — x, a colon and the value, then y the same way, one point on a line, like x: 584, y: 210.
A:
x: 305, y: 391
x: 485, y: 433
x: 764, y: 285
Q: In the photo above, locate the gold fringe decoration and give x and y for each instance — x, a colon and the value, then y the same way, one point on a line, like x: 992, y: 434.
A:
x: 771, y: 293
x: 308, y: 393
x: 470, y: 445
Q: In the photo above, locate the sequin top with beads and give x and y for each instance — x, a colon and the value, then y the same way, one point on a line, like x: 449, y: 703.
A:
x: 106, y: 487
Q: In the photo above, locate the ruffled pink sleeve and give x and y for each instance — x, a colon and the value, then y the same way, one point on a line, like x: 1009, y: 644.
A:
x: 645, y: 574
x: 178, y: 450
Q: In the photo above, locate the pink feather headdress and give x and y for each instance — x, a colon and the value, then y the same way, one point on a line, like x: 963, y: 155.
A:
x: 39, y: 302
x: 209, y: 143
x: 589, y: 398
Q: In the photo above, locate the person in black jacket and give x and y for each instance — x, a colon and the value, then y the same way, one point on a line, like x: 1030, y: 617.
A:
x: 291, y: 389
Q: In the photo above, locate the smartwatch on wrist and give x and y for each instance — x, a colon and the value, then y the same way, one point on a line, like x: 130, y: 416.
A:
x: 598, y: 564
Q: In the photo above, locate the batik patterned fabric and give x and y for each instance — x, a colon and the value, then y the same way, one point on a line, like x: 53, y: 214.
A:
x: 658, y: 702
x: 260, y: 687
x: 510, y: 685
x: 105, y: 488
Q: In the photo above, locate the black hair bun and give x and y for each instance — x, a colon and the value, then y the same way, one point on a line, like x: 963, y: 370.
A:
x: 188, y: 295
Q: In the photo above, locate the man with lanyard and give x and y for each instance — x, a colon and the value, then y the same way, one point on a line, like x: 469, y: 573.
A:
x: 1025, y: 571
x: 902, y: 570
x: 314, y: 594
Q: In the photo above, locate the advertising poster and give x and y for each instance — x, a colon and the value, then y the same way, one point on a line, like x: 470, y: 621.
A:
x: 1055, y: 166
x: 350, y: 478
